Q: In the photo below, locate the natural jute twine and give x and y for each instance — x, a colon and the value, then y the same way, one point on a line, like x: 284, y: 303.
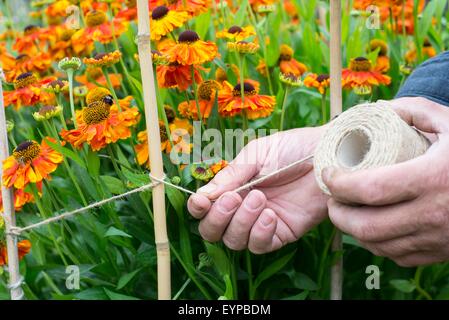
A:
x: 367, y: 136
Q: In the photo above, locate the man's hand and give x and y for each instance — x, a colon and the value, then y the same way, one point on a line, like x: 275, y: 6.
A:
x: 278, y: 211
x: 400, y: 211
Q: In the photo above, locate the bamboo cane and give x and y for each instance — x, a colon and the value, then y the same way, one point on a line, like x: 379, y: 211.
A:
x: 154, y: 146
x: 336, y: 108
x: 8, y: 209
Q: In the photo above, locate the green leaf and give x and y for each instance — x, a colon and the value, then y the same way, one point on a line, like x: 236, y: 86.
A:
x: 67, y: 152
x: 92, y: 294
x: 93, y: 163
x: 118, y: 296
x: 114, y: 185
x: 125, y: 279
x: 176, y: 199
x: 405, y: 286
x: 241, y: 13
x: 114, y: 232
x: 273, y: 268
x: 302, y: 281
x: 426, y: 20
x: 220, y: 259
x: 202, y: 24
x: 300, y: 296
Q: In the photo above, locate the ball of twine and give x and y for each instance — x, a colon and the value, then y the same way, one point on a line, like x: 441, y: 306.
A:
x: 366, y: 136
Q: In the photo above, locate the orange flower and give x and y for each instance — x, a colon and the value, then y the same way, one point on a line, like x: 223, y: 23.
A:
x: 262, y: 68
x: 206, y: 99
x: 98, y: 29
x: 427, y: 52
x: 23, y: 246
x: 129, y: 13
x: 237, y: 33
x: 101, y: 123
x: 28, y: 91
x: 180, y: 130
x: 7, y: 60
x: 319, y: 82
x: 62, y: 46
x: 39, y: 63
x: 288, y: 64
x: 94, y: 76
x: 191, y: 50
x: 20, y: 198
x: 178, y: 76
x: 383, y: 61
x: 163, y: 21
x: 218, y: 166
x: 193, y: 7
x: 361, y: 77
x: 254, y: 105
x: 33, y: 40
x: 30, y: 162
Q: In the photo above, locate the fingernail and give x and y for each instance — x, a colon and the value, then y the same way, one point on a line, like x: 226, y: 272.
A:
x: 253, y: 201
x: 227, y: 203
x: 266, y: 220
x: 327, y: 174
x: 207, y: 189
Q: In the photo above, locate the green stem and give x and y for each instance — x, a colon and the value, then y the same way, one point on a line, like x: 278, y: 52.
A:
x: 115, y: 165
x: 323, y: 108
x: 72, y: 103
x: 250, y: 275
x: 417, y: 280
x: 195, y: 90
x: 323, y: 258
x: 68, y: 168
x: 43, y: 214
x: 284, y: 107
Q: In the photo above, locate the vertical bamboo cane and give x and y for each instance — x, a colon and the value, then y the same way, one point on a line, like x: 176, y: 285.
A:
x: 336, y: 108
x: 154, y: 146
x: 8, y: 209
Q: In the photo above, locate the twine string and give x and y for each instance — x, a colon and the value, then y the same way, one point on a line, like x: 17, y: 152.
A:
x: 16, y: 231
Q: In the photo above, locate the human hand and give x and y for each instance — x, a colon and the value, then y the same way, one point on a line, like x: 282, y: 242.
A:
x: 400, y: 211
x: 276, y: 212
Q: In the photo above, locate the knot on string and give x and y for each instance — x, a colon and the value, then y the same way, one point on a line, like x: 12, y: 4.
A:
x: 16, y: 285
x: 14, y: 231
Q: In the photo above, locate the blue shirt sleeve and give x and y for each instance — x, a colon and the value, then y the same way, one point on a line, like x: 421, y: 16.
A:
x: 430, y: 80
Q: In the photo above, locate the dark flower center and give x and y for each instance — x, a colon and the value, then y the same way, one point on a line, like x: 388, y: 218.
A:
x: 170, y: 113
x: 188, y: 36
x: 26, y: 151
x: 56, y: 84
x: 100, y: 56
x: 24, y: 80
x: 95, y: 18
x: 96, y: 112
x: 360, y: 64
x: 159, y: 12
x: 235, y: 29
x: 22, y: 57
x: 45, y: 109
x: 206, y: 89
x: 30, y: 29
x: 247, y: 88
x: 322, y: 77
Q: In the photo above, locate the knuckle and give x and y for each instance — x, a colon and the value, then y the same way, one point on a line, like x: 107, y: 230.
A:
x: 206, y: 235
x: 233, y: 243
x: 365, y: 232
x: 404, y: 262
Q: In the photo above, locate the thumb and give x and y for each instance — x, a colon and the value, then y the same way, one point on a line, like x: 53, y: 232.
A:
x: 242, y: 169
x: 423, y: 114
